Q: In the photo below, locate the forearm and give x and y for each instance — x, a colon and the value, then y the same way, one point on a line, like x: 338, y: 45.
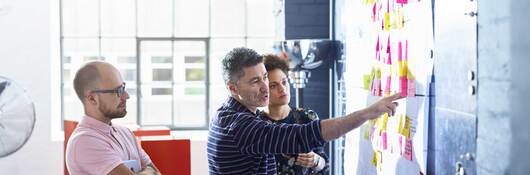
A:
x: 336, y: 127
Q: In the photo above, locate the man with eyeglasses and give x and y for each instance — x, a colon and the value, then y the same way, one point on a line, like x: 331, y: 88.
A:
x: 97, y: 146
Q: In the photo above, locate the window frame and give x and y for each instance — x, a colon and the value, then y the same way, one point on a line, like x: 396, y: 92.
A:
x: 139, y: 98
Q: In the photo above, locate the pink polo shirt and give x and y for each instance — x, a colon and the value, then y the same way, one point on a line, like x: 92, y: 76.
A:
x: 97, y: 148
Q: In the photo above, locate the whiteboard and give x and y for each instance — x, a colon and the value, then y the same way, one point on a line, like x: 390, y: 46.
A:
x: 378, y: 35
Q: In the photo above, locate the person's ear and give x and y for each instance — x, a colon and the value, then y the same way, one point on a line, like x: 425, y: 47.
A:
x: 90, y: 98
x: 232, y: 87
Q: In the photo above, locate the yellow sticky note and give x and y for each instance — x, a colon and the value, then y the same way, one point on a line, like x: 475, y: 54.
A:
x: 379, y: 161
x: 405, y: 68
x: 400, y: 125
x: 366, y: 130
x: 367, y: 79
x: 382, y: 121
x: 374, y: 159
x: 406, y: 127
x: 387, y: 21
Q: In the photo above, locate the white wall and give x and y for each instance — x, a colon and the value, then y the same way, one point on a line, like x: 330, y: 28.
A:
x: 25, y: 56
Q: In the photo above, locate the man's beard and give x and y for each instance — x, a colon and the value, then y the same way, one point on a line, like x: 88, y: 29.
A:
x: 112, y: 114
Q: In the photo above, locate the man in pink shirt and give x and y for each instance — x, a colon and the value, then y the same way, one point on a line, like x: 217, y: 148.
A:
x: 98, y: 146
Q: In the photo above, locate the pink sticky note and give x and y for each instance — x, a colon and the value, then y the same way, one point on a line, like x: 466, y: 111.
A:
x: 377, y: 45
x: 400, y: 139
x: 408, y: 150
x: 383, y: 139
x: 374, y: 15
x: 387, y: 87
x: 403, y: 82
x: 411, y: 87
x: 406, y: 49
x: 389, y: 60
x: 388, y: 45
x: 402, y: 1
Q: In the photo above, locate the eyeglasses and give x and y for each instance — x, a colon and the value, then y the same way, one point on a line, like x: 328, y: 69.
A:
x: 118, y: 91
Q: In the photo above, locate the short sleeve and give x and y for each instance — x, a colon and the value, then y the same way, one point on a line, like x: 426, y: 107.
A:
x: 91, y: 154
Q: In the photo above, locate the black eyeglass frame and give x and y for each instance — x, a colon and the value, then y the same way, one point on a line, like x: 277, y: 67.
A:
x: 118, y: 91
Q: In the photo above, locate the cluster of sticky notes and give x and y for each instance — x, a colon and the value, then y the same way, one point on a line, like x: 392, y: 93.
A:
x: 394, y: 75
x: 404, y: 125
x: 389, y: 14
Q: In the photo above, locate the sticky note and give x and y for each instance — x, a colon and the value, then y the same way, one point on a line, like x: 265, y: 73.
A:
x: 379, y: 159
x: 384, y: 140
x: 402, y: 1
x: 403, y: 86
x: 366, y: 81
x: 387, y: 21
x: 400, y: 123
x: 387, y: 87
x: 411, y: 87
x: 374, y: 159
x: 366, y: 132
x: 400, y: 140
x: 408, y: 150
x: 406, y: 127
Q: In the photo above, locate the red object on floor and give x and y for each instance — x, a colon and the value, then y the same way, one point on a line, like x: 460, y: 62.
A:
x: 69, y: 127
x: 171, y: 156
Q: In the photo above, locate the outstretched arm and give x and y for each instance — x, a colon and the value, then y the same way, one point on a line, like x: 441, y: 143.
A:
x: 336, y: 127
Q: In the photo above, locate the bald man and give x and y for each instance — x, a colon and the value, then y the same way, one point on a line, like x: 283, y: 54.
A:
x: 97, y: 146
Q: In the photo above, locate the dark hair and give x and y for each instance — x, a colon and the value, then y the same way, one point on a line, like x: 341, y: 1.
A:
x: 273, y: 62
x: 236, y: 60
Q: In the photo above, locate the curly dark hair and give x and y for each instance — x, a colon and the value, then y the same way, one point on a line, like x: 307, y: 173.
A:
x: 236, y: 60
x: 273, y: 62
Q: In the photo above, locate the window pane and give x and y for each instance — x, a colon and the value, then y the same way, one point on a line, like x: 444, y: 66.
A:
x: 162, y: 74
x: 228, y: 18
x: 194, y: 91
x: 195, y: 74
x: 191, y: 18
x: 161, y: 59
x: 80, y: 18
x: 161, y: 91
x: 155, y: 18
x: 67, y: 59
x: 260, y: 18
x: 193, y: 59
x: 129, y: 75
x: 117, y: 18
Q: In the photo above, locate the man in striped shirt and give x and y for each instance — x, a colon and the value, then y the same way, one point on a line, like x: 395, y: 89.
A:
x: 241, y: 142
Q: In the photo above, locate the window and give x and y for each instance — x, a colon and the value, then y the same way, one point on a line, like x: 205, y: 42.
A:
x: 169, y: 51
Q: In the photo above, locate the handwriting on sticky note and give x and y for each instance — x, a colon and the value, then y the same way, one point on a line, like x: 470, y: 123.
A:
x: 408, y: 150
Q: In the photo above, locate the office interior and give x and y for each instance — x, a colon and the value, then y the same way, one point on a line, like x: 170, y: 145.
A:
x: 467, y: 64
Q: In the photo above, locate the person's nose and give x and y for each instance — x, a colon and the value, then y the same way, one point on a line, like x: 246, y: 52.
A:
x: 265, y: 86
x: 125, y: 95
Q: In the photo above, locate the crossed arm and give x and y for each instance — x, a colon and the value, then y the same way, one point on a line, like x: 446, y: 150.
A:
x: 122, y: 169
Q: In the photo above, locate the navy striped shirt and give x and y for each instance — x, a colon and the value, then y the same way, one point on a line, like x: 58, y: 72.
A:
x: 241, y: 142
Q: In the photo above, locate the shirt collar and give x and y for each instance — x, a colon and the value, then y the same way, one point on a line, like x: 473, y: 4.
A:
x: 238, y: 107
x: 91, y: 122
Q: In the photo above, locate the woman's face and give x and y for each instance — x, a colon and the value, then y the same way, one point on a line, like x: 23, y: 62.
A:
x: 278, y: 88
